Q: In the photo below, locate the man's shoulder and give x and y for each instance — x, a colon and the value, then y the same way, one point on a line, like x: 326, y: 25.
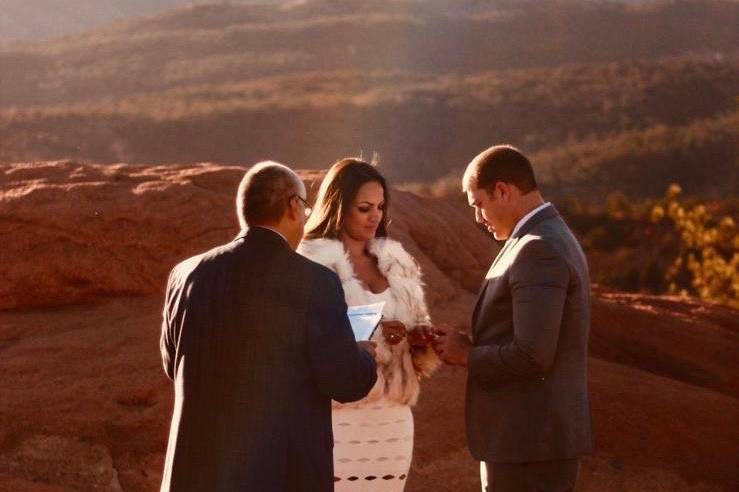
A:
x: 541, y: 245
x: 314, y: 270
x: 550, y: 240
x: 202, y: 262
x: 552, y: 233
x: 542, y: 239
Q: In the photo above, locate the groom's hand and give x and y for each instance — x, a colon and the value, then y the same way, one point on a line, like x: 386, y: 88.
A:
x: 452, y: 345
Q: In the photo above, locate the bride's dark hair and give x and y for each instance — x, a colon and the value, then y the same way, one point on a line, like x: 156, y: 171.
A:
x: 336, y: 194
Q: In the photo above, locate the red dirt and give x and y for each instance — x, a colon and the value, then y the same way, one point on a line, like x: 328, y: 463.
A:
x: 85, y: 404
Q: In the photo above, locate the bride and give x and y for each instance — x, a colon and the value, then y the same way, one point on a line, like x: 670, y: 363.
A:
x: 347, y: 232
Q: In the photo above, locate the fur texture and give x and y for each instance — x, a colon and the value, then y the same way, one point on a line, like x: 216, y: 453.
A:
x: 398, y: 370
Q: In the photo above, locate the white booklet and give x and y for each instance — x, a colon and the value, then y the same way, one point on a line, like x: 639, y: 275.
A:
x: 364, y: 319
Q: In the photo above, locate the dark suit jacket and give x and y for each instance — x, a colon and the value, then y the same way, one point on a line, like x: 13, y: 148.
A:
x: 257, y: 341
x: 527, y: 396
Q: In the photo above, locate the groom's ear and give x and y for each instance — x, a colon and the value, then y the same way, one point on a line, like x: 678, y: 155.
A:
x: 496, y: 190
x: 505, y: 191
x: 489, y: 190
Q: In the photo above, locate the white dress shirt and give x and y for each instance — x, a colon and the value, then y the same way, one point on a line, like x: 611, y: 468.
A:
x: 526, y: 217
x: 492, y: 271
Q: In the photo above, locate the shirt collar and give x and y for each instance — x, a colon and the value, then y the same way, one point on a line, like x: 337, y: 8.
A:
x: 528, y: 216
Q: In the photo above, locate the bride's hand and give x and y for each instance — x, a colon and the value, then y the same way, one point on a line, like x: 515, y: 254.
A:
x: 421, y: 336
x: 393, y: 331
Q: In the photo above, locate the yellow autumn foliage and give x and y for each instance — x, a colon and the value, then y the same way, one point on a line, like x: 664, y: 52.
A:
x: 708, y: 250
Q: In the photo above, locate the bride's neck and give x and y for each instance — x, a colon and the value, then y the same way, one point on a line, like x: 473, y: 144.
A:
x: 356, y: 249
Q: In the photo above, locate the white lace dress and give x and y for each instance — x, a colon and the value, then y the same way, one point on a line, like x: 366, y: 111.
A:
x: 373, y: 444
x: 374, y: 436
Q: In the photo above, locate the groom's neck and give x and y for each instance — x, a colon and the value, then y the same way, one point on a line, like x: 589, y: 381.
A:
x: 527, y: 203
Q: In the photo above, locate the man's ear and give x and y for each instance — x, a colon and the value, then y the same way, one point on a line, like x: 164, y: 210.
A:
x: 506, y: 191
x: 490, y: 191
x: 293, y: 208
x: 496, y: 191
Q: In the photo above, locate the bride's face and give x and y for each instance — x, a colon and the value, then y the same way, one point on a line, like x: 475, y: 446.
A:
x: 365, y: 212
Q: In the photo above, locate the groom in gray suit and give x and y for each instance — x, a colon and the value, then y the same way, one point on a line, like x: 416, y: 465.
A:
x: 527, y: 409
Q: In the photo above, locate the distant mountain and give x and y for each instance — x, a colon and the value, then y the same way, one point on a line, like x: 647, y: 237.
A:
x: 633, y: 126
x: 597, y: 85
x: 23, y: 20
x: 35, y: 20
x: 222, y: 43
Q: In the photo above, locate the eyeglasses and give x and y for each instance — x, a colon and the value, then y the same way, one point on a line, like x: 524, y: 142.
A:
x: 308, y: 209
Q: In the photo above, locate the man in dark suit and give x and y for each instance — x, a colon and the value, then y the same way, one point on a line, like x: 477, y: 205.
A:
x: 257, y: 341
x: 527, y: 409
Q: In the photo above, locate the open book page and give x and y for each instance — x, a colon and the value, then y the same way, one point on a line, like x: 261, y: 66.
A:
x: 364, y: 319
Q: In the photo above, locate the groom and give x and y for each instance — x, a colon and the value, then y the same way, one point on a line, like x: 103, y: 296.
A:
x: 257, y: 341
x: 527, y: 410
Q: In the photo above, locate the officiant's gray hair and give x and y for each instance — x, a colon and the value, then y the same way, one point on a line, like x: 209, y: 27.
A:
x: 264, y: 193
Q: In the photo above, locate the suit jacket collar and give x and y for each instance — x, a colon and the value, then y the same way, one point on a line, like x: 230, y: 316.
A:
x: 548, y: 212
x: 545, y: 213
x: 263, y: 235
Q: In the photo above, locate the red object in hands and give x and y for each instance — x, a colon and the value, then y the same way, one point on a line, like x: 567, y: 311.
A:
x: 393, y: 331
x: 421, y: 337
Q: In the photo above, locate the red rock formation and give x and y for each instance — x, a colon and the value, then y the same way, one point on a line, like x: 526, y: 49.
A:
x: 84, y: 404
x: 78, y: 232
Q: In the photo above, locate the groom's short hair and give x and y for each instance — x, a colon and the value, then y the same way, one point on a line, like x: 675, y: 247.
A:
x: 500, y: 163
x: 264, y: 192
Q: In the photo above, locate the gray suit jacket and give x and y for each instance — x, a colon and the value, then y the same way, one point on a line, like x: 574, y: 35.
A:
x: 257, y: 341
x: 527, y: 397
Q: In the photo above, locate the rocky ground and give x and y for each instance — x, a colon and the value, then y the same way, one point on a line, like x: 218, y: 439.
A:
x: 84, y: 404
